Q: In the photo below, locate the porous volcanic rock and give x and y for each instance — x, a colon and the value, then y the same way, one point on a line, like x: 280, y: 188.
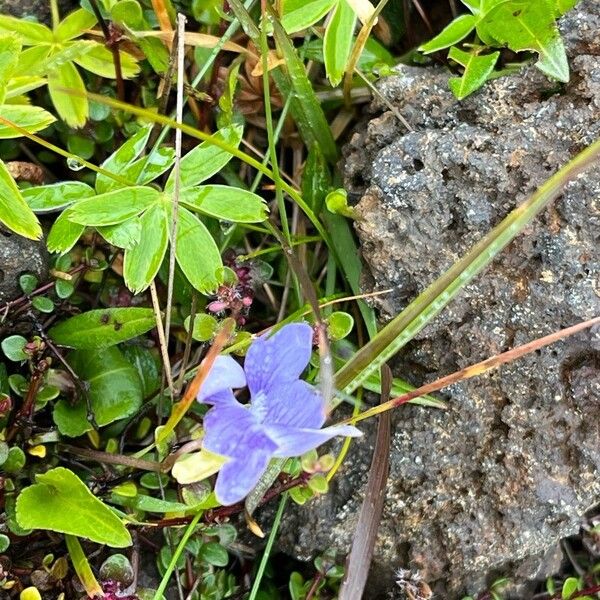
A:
x: 490, y: 486
x: 34, y: 9
x: 19, y: 255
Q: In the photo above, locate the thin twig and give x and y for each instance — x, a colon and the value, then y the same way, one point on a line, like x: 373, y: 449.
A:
x: 164, y: 351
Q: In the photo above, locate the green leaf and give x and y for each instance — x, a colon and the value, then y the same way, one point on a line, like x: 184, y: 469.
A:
x: 338, y: 41
x: 142, y: 262
x: 74, y: 25
x: 121, y: 159
x: 42, y: 304
x: 339, y: 325
x: 304, y: 104
x: 300, y: 14
x: 12, y: 346
x: 205, y: 326
x: 146, y: 365
x: 128, y: 12
x: 30, y: 118
x: 477, y: 69
x: 226, y: 203
x: 150, y: 504
x: 206, y: 159
x: 570, y: 586
x: 99, y: 60
x: 113, y: 207
x: 563, y: 6
x: 4, y: 543
x: 123, y: 235
x: 56, y: 196
x: 72, y: 108
x: 60, y: 501
x: 14, y: 212
x: 31, y: 34
x: 113, y: 387
x: 200, y: 268
x: 28, y: 283
x: 316, y: 179
x: 524, y: 25
x: 453, y: 33
x: 103, y: 327
x: 214, y: 554
x: 63, y: 234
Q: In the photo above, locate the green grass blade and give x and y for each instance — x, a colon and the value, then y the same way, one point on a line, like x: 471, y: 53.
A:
x: 428, y: 304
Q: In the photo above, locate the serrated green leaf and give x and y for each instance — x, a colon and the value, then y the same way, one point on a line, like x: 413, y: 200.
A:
x: 197, y: 253
x: 30, y: 34
x: 123, y: 235
x: 477, y: 69
x: 63, y: 235
x: 103, y: 327
x: 148, y: 168
x: 10, y: 48
x: 300, y: 14
x: 34, y: 59
x: 524, y: 25
x: 67, y: 53
x: 113, y: 387
x: 60, y: 501
x: 338, y: 41
x: 453, y: 33
x: 14, y: 212
x: 113, y: 207
x: 226, y: 203
x: 72, y: 108
x: 99, y: 60
x: 30, y: 118
x: 142, y: 262
x: 74, y: 25
x: 206, y: 159
x: 56, y: 196
x: 22, y: 84
x: 120, y: 160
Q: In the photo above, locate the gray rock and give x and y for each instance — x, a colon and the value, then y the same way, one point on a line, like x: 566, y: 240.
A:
x: 18, y: 256
x: 489, y: 487
x: 34, y: 9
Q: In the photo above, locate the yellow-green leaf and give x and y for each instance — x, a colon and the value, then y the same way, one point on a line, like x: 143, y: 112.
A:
x: 72, y: 107
x: 14, y: 212
x: 337, y: 43
x: 31, y: 34
x: 142, y: 261
x: 197, y: 253
x: 30, y: 118
x: 59, y: 501
x: 99, y: 60
x: 74, y: 25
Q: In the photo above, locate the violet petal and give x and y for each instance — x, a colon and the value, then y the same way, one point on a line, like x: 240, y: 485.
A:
x: 279, y: 358
x: 292, y: 441
x: 224, y: 375
x: 238, y: 477
x: 297, y: 404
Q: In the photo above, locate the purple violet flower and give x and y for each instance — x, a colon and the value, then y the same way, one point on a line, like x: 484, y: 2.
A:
x: 284, y: 416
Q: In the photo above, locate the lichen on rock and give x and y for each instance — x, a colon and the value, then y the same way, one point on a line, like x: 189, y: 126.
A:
x: 490, y: 486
